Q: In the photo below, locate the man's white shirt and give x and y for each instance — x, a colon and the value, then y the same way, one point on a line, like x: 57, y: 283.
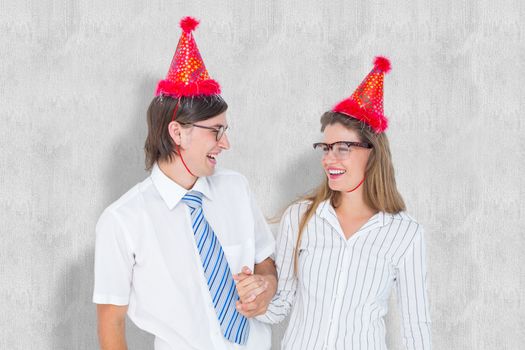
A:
x: 146, y: 257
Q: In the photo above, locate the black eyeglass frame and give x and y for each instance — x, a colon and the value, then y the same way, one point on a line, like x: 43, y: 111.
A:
x: 347, y: 143
x: 219, y: 131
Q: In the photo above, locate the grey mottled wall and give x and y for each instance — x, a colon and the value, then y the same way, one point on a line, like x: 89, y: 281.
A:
x: 76, y: 78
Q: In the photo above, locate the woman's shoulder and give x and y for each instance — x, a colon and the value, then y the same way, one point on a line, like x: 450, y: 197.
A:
x: 412, y: 228
x: 293, y: 214
x: 403, y: 216
x: 297, y: 208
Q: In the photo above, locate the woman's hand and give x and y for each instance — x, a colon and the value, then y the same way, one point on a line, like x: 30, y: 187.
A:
x: 255, y: 291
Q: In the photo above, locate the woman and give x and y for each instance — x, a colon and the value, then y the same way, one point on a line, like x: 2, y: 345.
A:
x: 342, y: 249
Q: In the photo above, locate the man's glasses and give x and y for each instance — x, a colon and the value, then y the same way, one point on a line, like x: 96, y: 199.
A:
x: 340, y: 149
x: 219, y: 131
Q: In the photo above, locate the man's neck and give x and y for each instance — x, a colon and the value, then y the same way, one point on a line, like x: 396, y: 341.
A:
x: 176, y: 171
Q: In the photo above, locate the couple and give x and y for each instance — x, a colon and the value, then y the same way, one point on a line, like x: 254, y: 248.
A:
x: 188, y: 256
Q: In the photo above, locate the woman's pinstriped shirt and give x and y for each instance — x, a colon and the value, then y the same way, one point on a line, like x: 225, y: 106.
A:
x: 341, y: 292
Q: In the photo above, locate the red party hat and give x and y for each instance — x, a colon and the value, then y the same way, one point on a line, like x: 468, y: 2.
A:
x: 187, y: 75
x: 366, y: 103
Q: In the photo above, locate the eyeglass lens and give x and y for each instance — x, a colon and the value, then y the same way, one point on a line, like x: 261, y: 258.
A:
x: 339, y: 150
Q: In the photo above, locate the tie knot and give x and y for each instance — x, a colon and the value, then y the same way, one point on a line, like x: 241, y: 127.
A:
x: 193, y: 199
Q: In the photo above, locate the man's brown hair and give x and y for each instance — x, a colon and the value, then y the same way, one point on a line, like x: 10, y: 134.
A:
x: 159, y: 145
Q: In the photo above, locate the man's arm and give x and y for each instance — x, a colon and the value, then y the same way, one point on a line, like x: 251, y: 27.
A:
x: 112, y: 326
x: 256, y: 290
x: 267, y: 269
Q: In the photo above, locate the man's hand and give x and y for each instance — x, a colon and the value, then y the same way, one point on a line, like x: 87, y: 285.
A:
x: 256, y: 290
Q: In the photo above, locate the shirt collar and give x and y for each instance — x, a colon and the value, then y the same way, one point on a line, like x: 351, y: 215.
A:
x: 326, y: 211
x: 171, y: 192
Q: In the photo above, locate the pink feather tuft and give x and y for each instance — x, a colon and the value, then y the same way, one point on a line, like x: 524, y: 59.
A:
x: 382, y: 64
x: 207, y: 87
x: 188, y: 24
x: 378, y: 122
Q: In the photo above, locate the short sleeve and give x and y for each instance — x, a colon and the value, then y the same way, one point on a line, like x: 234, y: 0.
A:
x: 113, y: 262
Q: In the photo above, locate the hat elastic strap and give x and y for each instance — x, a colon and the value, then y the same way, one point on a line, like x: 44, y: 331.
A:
x: 177, y: 149
x: 355, y: 188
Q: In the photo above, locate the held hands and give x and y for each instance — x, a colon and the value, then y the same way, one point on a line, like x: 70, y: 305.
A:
x: 255, y: 292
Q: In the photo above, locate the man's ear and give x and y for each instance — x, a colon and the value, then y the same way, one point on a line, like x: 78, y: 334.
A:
x: 175, y: 130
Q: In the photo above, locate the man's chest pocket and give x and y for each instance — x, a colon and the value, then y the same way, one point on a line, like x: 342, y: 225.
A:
x: 239, y: 255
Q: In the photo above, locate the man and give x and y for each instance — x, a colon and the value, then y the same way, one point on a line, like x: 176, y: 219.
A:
x: 166, y: 251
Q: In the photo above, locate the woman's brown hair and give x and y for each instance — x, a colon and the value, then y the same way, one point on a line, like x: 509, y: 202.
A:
x: 380, y: 190
x: 159, y: 145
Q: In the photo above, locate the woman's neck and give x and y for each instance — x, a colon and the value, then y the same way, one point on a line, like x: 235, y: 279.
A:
x: 353, y: 204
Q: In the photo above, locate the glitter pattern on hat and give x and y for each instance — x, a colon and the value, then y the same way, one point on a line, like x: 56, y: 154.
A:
x: 366, y: 103
x: 187, y: 75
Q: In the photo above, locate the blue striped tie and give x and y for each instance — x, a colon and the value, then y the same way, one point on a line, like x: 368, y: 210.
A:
x: 234, y: 326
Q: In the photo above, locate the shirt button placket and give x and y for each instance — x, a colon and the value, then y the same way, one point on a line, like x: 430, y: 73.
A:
x: 337, y: 304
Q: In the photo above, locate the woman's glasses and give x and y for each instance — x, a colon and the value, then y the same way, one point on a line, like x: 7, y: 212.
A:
x: 340, y: 149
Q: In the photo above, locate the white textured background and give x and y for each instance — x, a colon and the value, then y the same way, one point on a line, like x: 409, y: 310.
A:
x: 76, y: 79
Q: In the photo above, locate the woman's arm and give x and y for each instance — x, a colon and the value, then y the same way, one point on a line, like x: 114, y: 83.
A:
x: 412, y: 295
x: 283, y: 300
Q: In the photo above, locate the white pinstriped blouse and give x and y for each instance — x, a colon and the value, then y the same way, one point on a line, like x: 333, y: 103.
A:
x: 341, y: 293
